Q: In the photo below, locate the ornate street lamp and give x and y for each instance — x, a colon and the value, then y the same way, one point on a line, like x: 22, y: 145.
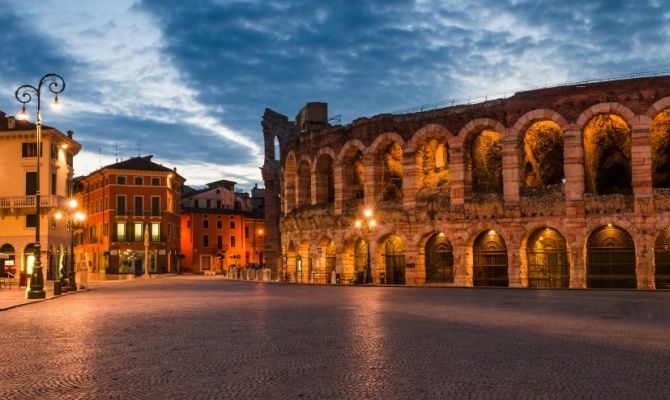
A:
x: 24, y: 94
x: 366, y: 225
x: 74, y: 218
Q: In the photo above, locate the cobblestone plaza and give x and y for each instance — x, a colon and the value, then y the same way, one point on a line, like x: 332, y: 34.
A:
x: 196, y: 337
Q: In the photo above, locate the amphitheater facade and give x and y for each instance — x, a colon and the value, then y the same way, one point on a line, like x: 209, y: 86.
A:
x: 560, y: 187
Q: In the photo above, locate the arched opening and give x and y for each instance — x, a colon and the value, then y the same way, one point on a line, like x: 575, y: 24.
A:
x: 607, y: 154
x: 662, y: 260
x: 360, y: 260
x: 433, y: 162
x: 547, y: 257
x: 289, y: 183
x: 543, y: 154
x: 660, y: 149
x: 304, y: 267
x: 394, y: 256
x: 331, y: 258
x: 610, y: 258
x: 353, y: 175
x: 27, y: 264
x: 291, y: 255
x: 485, y: 159
x: 439, y: 259
x: 7, y: 261
x: 490, y: 260
x: 304, y: 184
x: 325, y: 182
x: 277, y: 149
x: 391, y: 177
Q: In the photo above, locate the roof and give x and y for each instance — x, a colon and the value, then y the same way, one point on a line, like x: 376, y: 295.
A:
x: 222, y: 182
x: 138, y: 163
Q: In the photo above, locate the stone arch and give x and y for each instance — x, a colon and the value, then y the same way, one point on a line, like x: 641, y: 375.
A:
x: 304, y: 181
x: 607, y: 142
x: 430, y: 147
x: 482, y: 156
x: 352, y: 164
x: 541, y: 144
x: 291, y: 254
x: 327, y: 259
x: 610, y: 258
x: 547, y: 260
x: 290, y: 177
x: 657, y: 107
x: 324, y: 164
x: 387, y: 167
x: 662, y: 259
x: 606, y: 108
x: 659, y: 133
x: 8, y: 264
x: 490, y: 262
x: 531, y: 117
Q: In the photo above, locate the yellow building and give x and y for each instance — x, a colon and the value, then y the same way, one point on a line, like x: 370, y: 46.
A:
x: 18, y: 166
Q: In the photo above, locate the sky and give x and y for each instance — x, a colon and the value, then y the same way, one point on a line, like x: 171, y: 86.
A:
x: 188, y: 80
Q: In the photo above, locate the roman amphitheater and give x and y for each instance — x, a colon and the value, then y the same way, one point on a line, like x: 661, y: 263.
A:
x: 558, y: 187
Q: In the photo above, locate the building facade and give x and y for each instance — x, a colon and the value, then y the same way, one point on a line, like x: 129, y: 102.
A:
x: 560, y: 187
x: 221, y: 228
x: 133, y: 209
x: 18, y: 184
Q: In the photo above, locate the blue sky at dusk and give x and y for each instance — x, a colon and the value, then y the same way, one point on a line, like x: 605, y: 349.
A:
x: 191, y: 79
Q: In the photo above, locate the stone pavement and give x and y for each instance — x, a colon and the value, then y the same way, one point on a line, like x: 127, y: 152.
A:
x: 191, y: 337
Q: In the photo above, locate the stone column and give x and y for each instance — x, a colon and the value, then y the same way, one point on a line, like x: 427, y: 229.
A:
x: 457, y: 183
x: 511, y: 165
x: 411, y: 180
x: 576, y: 243
x: 644, y: 268
x: 372, y: 175
x: 573, y: 165
x: 339, y: 187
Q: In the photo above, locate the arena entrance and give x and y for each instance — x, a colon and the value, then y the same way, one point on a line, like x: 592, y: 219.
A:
x: 610, y: 259
x: 439, y: 260
x: 547, y: 257
x: 662, y: 260
x: 395, y: 261
x: 490, y: 260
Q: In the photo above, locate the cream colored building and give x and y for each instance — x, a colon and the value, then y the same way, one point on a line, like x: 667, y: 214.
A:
x: 18, y: 165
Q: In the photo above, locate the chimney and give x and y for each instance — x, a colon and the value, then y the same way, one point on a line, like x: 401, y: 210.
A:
x: 69, y: 134
x: 11, y: 122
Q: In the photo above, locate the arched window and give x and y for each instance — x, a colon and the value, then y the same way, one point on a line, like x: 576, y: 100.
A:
x: 607, y: 154
x: 486, y: 162
x: 660, y: 149
x: 325, y: 182
x: 394, y: 256
x: 543, y: 154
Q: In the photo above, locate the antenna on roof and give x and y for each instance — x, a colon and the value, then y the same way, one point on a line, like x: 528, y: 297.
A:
x: 116, y: 151
x: 139, y: 147
x: 99, y: 157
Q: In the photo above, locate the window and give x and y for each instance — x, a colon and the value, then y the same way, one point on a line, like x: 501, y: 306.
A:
x: 120, y: 180
x: 120, y: 205
x: 218, y: 204
x: 155, y: 181
x: 54, y: 150
x: 219, y: 225
x: 53, y: 184
x: 196, y: 204
x: 31, y: 183
x: 205, y: 224
x: 69, y: 159
x: 219, y: 242
x: 92, y: 234
x: 188, y: 223
x: 105, y: 227
x: 139, y: 180
x: 232, y: 224
x: 120, y: 231
x: 155, y: 232
x: 155, y: 206
x: 68, y: 187
x: 205, y: 240
x: 139, y: 200
x: 137, y: 232
x: 30, y: 149
x: 232, y: 241
x: 246, y: 232
x: 31, y: 221
x: 209, y: 203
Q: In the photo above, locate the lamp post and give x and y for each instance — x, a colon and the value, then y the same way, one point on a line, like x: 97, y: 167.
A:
x: 365, y: 225
x: 74, y: 217
x: 24, y: 94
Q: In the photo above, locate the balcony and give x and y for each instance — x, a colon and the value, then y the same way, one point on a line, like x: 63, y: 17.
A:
x: 15, y: 202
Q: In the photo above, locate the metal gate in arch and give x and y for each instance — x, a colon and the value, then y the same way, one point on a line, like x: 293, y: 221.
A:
x: 490, y: 260
x: 547, y: 259
x: 439, y: 260
x: 662, y: 260
x: 610, y: 259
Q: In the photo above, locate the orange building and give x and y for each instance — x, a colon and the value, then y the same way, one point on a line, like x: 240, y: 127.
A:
x: 133, y: 209
x: 221, y: 229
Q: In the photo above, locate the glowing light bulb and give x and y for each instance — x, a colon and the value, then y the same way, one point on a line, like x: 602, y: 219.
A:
x: 56, y: 105
x: 23, y: 115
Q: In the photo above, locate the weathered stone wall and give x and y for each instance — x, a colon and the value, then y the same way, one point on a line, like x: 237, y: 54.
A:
x: 458, y: 208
